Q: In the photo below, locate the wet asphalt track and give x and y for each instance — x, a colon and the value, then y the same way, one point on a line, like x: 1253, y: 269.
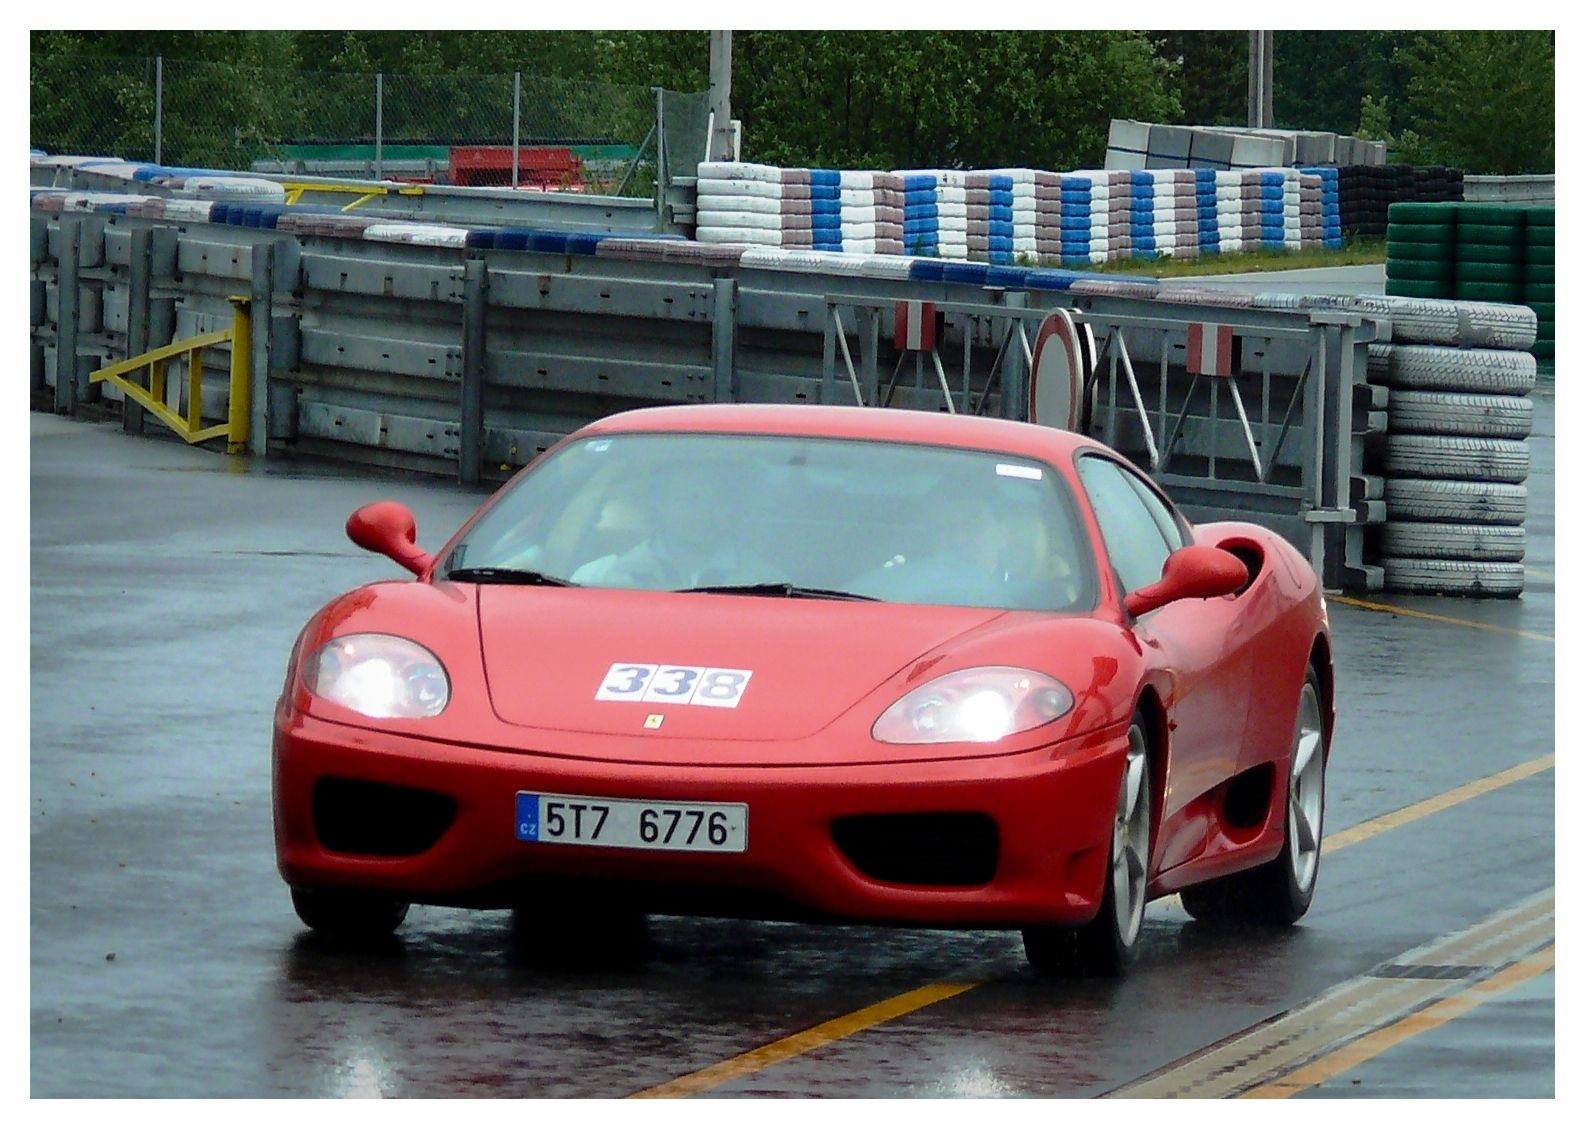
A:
x: 167, y: 586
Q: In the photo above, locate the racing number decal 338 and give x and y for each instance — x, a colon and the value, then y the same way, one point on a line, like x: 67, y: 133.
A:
x: 677, y: 685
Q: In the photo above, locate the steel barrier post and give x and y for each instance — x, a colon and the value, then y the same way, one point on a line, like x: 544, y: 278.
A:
x: 517, y: 121
x: 70, y: 243
x: 239, y: 406
x: 869, y: 318
x: 828, y: 356
x: 470, y: 446
x: 159, y: 105
x: 1015, y: 369
x: 379, y: 125
x: 139, y: 269
x: 260, y: 316
x: 723, y: 342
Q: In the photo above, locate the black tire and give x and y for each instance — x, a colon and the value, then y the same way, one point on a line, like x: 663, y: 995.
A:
x: 1437, y: 540
x: 1474, y: 271
x: 1507, y: 292
x: 1490, y: 254
x: 1501, y: 579
x: 1420, y: 252
x: 1466, y: 458
x: 1459, y: 413
x: 1490, y: 235
x: 349, y: 914
x: 1421, y: 212
x: 1469, y: 324
x: 1279, y: 892
x: 1419, y: 270
x: 1107, y: 945
x: 1441, y: 369
x: 1411, y: 288
x: 1438, y: 234
x: 1485, y: 503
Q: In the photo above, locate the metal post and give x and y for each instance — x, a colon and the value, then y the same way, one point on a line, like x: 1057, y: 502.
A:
x: 718, y: 146
x: 517, y: 121
x: 869, y: 319
x: 1262, y: 48
x: 379, y: 126
x: 137, y: 318
x: 828, y: 356
x: 1015, y: 369
x: 66, y: 316
x: 662, y: 173
x: 159, y: 106
x: 239, y: 407
x: 260, y: 315
x: 470, y: 447
x: 723, y: 342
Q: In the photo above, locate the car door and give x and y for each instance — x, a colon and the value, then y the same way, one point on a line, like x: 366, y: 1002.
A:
x: 1195, y: 648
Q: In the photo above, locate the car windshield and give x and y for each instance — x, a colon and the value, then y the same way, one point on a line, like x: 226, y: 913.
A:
x: 787, y: 516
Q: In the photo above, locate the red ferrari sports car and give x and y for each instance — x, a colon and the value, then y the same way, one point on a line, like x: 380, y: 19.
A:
x: 816, y: 663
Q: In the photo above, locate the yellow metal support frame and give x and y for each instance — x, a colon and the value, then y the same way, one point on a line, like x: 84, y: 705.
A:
x: 190, y: 427
x: 363, y: 192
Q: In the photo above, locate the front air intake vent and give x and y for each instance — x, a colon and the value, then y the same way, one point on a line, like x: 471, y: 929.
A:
x: 921, y: 848
x: 356, y: 817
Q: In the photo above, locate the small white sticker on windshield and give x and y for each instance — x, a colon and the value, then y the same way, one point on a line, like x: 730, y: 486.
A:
x: 599, y: 445
x: 1012, y: 470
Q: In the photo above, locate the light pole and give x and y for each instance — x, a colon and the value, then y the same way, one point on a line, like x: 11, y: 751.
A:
x: 1262, y: 48
x: 720, y: 145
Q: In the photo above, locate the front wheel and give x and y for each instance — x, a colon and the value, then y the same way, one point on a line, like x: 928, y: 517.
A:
x: 348, y: 914
x: 1279, y: 892
x: 1107, y: 945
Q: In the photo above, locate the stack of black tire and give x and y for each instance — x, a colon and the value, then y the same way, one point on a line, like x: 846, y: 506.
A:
x: 1455, y: 457
x: 1365, y: 192
x: 1490, y: 254
x: 1538, y: 266
x: 1422, y: 249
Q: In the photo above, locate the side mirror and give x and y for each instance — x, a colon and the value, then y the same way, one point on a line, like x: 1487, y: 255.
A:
x: 1193, y: 572
x: 389, y: 528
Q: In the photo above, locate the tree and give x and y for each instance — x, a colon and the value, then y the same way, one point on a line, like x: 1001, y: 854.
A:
x: 1213, y: 74
x: 1483, y: 100
x: 911, y: 99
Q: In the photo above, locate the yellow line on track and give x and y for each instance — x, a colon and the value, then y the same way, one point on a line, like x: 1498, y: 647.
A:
x: 1463, y: 792
x: 843, y: 1026
x: 803, y: 1042
x: 1369, y: 1046
x: 1396, y: 610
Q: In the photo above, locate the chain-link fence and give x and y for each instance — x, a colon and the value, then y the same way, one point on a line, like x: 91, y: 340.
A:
x: 444, y: 129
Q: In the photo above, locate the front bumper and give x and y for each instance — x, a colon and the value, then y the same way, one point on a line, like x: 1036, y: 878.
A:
x: 1052, y: 808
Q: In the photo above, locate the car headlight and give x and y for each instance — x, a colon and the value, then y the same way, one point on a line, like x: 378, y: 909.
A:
x: 984, y: 703
x: 379, y: 676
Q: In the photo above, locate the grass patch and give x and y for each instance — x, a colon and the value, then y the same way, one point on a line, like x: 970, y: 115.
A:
x: 1355, y: 253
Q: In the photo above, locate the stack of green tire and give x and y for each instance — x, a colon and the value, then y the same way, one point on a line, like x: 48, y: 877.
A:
x: 1538, y: 244
x: 1490, y: 254
x: 1422, y: 249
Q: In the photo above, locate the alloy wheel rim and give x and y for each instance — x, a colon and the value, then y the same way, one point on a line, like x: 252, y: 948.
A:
x: 1306, y: 791
x: 1131, y: 840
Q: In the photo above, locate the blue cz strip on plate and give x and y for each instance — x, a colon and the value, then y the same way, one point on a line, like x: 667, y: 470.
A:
x: 527, y: 817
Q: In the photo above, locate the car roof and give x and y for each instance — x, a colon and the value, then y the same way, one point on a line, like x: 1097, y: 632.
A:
x: 838, y: 422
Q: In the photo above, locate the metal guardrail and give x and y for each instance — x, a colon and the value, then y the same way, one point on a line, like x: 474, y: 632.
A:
x: 1540, y: 188
x: 468, y: 361
x: 1277, y: 441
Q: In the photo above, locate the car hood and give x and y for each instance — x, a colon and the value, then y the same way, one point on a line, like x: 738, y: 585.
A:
x: 554, y: 658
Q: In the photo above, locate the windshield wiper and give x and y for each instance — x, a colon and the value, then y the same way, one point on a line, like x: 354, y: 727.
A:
x: 781, y: 588
x: 507, y: 576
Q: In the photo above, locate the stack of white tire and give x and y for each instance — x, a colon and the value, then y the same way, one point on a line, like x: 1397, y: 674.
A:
x: 1456, y: 456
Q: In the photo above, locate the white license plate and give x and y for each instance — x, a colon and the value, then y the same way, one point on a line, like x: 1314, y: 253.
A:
x: 645, y: 825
